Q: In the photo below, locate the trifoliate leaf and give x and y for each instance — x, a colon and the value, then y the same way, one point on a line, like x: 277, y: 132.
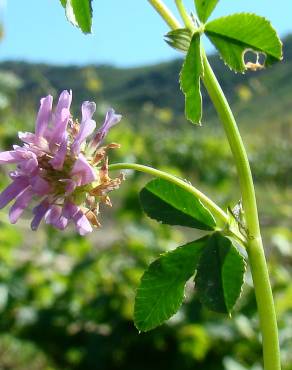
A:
x: 170, y: 204
x: 205, y: 8
x: 220, y: 274
x: 190, y: 75
x: 161, y: 290
x: 237, y: 33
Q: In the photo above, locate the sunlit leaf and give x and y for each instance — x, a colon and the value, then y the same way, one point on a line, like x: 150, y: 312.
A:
x: 220, y: 274
x: 190, y: 81
x: 79, y: 13
x: 170, y: 204
x: 161, y: 290
x: 235, y: 34
x: 205, y: 8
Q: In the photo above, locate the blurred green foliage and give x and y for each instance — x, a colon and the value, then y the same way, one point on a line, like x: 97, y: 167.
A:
x: 66, y: 302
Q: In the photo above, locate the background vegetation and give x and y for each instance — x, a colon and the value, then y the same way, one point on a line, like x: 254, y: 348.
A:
x: 66, y: 302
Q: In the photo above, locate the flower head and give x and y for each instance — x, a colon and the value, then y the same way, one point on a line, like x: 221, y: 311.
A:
x: 61, y: 169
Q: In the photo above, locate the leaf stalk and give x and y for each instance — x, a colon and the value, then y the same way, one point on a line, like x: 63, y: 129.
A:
x: 216, y: 210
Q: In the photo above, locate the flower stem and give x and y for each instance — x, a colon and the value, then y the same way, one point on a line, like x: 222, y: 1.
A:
x: 217, y: 211
x: 259, y: 270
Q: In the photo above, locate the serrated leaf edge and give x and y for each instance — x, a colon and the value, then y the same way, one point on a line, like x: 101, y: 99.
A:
x: 205, y: 20
x: 181, y: 88
x: 233, y: 242
x: 191, y: 216
x: 247, y: 49
x: 175, y: 310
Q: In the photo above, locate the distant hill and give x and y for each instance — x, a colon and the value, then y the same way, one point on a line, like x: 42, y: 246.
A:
x: 130, y: 89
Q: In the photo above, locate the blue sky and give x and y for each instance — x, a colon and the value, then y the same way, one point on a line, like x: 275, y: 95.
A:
x: 125, y: 33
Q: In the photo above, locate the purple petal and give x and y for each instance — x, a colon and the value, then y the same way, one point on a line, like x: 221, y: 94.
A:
x: 38, y: 142
x: 8, y: 157
x: 27, y: 137
x: 22, y: 201
x: 13, y: 190
x: 15, y: 156
x: 44, y: 115
x: 29, y: 166
x: 82, y: 224
x: 86, y: 129
x: 39, y: 185
x: 111, y: 119
x: 39, y: 212
x: 15, y: 174
x: 59, y: 131
x: 64, y: 102
x: 54, y: 217
x: 69, y: 210
x: 70, y: 186
x: 87, y: 109
x: 26, y: 159
x: 53, y: 214
x: 61, y: 223
x: 87, y: 126
x: 82, y: 171
x: 58, y: 161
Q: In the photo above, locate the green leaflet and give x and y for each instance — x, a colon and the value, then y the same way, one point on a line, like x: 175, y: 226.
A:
x: 205, y: 8
x: 190, y: 81
x: 161, y: 290
x: 220, y: 274
x: 170, y: 204
x: 236, y: 33
x: 79, y: 13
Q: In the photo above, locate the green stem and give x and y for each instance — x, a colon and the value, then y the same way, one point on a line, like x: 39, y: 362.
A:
x: 258, y: 265
x: 237, y: 147
x: 165, y: 13
x: 217, y: 211
x: 259, y: 270
x: 185, y: 17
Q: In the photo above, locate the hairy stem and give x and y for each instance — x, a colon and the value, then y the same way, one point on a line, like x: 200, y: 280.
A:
x: 263, y: 291
x: 217, y: 211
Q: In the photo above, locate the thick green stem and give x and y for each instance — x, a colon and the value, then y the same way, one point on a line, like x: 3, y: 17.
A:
x: 263, y: 291
x: 165, y: 13
x: 258, y: 265
x: 237, y: 147
x: 217, y: 211
x: 186, y: 18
